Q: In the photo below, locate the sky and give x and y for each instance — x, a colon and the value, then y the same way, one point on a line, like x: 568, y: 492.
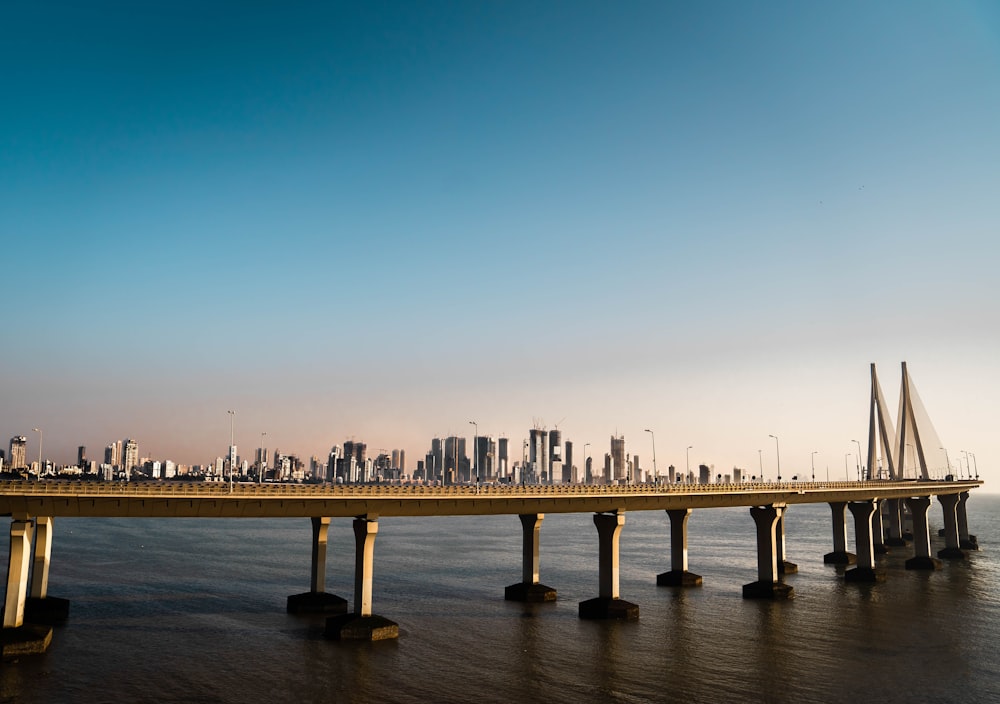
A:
x: 383, y: 220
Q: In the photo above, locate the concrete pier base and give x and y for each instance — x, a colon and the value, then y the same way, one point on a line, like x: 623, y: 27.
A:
x: 952, y: 554
x: 529, y: 592
x: 880, y: 548
x: 47, y: 611
x: 840, y: 557
x: 316, y: 603
x: 786, y: 567
x: 923, y: 562
x: 969, y: 543
x: 678, y: 578
x: 896, y: 542
x: 863, y: 575
x: 768, y: 590
x: 357, y: 627
x: 29, y: 639
x: 603, y: 607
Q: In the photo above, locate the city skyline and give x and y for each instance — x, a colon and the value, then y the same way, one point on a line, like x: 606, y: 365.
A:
x: 386, y: 222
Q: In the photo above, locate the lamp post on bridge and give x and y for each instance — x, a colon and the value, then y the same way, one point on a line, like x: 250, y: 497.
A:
x: 948, y: 462
x: 968, y: 470
x: 812, y: 460
x: 652, y: 436
x: 687, y: 465
x: 760, y: 463
x: 975, y: 464
x: 777, y: 454
x: 847, y: 472
x: 40, y: 437
x: 475, y: 451
x: 857, y: 458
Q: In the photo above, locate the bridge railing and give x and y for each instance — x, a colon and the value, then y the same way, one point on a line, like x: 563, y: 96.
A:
x: 173, y: 489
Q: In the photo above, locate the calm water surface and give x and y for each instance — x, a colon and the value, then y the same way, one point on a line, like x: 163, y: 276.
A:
x: 192, y: 610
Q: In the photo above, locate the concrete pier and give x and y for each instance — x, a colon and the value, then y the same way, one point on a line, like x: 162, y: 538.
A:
x: 863, y: 511
x: 965, y: 541
x: 784, y: 566
x: 949, y: 507
x: 840, y: 555
x: 609, y: 605
x: 894, y: 509
x: 921, y: 560
x: 317, y: 600
x: 17, y: 637
x: 39, y: 607
x: 878, y: 530
x: 529, y: 588
x: 767, y: 585
x: 362, y: 624
x: 678, y: 576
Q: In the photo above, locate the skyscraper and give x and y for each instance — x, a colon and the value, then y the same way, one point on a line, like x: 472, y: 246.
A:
x: 130, y: 460
x: 539, y: 457
x: 18, y: 452
x: 619, y: 467
x: 81, y: 457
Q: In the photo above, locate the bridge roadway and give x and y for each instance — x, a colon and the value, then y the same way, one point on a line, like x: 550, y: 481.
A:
x: 245, y: 500
x: 33, y: 505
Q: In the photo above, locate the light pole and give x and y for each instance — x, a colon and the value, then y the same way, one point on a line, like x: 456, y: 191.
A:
x: 232, y: 439
x: 975, y: 464
x: 968, y: 471
x: 760, y: 463
x: 40, y: 437
x: 777, y: 455
x: 475, y: 452
x: 847, y: 475
x: 687, y: 459
x: 858, y: 458
x: 263, y: 461
x: 813, y: 462
x: 585, y: 446
x: 652, y: 436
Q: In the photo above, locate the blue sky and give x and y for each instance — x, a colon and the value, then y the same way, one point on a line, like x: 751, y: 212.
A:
x: 382, y: 220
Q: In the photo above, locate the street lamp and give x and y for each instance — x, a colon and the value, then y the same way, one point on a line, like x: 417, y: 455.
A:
x: 858, y: 458
x: 847, y: 476
x: 777, y: 454
x: 475, y: 451
x: 975, y: 464
x: 812, y: 460
x: 39, y: 431
x: 652, y: 436
x: 760, y: 463
x: 232, y: 439
x: 263, y: 461
x: 687, y: 455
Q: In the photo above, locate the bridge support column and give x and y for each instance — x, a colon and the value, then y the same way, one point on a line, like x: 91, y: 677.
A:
x: 949, y: 506
x: 608, y: 605
x: 767, y: 585
x: 878, y: 530
x: 40, y: 607
x: 921, y: 559
x: 895, y: 510
x: 362, y: 624
x: 18, y: 638
x: 965, y: 541
x: 529, y: 588
x: 839, y: 556
x: 316, y: 600
x: 678, y: 576
x: 863, y: 512
x: 784, y: 566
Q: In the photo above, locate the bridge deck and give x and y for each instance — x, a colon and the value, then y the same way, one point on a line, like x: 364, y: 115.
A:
x: 219, y: 500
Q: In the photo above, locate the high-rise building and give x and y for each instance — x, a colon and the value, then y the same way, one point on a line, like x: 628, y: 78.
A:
x: 484, y: 450
x: 619, y: 468
x: 569, y: 473
x: 503, y: 460
x: 18, y: 452
x: 456, y: 462
x: 704, y: 474
x: 113, y: 454
x: 81, y: 457
x: 130, y: 459
x: 539, y: 454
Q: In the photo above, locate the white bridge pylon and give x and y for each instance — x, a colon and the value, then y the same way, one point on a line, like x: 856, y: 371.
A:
x: 904, y: 452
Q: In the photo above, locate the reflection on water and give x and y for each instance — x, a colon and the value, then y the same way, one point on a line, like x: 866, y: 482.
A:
x: 193, y: 610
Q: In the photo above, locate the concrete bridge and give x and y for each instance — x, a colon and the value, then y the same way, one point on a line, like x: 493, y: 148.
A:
x: 29, y: 610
